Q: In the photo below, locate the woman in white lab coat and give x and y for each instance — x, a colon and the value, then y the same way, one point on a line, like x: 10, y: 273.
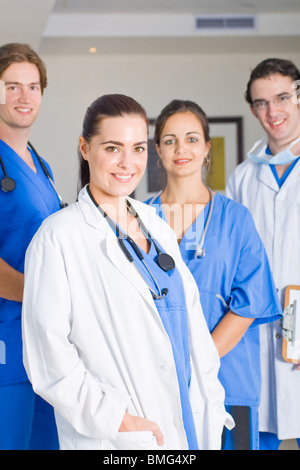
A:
x: 114, y: 335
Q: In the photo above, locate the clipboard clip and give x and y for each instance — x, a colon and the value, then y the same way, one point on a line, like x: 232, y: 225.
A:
x: 289, y: 324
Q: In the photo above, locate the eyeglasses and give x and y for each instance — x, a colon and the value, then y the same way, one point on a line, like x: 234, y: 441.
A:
x: 280, y: 100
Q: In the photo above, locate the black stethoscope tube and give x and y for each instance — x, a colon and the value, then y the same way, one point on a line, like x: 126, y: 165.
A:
x: 8, y: 184
x: 164, y: 261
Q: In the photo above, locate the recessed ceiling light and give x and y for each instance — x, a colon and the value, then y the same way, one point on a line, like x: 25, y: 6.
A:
x: 93, y: 50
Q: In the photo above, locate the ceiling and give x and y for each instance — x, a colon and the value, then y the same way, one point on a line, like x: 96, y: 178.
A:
x: 181, y: 6
x: 147, y: 26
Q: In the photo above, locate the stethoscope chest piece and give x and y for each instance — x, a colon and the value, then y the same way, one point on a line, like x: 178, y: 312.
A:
x: 200, y: 253
x: 8, y: 184
x: 165, y: 262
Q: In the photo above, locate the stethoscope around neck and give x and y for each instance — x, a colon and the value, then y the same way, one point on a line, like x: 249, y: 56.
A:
x: 8, y: 184
x: 200, y: 250
x: 163, y: 260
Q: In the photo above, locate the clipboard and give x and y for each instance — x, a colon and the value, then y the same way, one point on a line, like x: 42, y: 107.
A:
x: 291, y: 294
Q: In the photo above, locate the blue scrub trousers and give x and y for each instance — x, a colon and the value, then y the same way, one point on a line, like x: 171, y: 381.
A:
x: 269, y: 441
x: 26, y: 421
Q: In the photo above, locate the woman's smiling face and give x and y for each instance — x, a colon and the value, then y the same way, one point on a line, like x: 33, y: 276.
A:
x: 182, y: 146
x: 117, y: 156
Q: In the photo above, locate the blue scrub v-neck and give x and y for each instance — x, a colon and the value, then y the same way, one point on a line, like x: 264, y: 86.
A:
x: 280, y: 181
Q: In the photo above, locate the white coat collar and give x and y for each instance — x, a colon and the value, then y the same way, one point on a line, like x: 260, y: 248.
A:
x: 266, y: 176
x: 90, y: 211
x: 93, y: 217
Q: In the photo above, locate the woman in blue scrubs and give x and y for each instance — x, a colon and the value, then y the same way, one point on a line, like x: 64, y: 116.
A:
x: 26, y: 198
x: 220, y: 245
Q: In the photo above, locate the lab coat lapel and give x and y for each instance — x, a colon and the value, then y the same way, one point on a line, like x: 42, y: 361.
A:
x: 293, y: 177
x: 266, y: 177
x: 94, y: 218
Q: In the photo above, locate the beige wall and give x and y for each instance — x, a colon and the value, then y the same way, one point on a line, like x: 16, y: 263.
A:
x: 216, y: 82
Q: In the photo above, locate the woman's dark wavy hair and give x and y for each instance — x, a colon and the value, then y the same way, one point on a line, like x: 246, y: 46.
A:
x: 113, y: 105
x: 270, y: 67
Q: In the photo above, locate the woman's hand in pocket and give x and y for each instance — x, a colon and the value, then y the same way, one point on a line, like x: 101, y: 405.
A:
x: 135, y: 423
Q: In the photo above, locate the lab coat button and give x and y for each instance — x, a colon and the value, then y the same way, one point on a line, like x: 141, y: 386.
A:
x: 278, y: 335
x: 166, y: 368
x: 177, y: 422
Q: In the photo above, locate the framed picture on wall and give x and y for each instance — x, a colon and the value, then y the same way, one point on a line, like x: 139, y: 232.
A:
x: 226, y: 153
x: 155, y: 176
x: 226, y: 150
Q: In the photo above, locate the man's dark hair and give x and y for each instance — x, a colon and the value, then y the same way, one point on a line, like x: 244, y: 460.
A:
x: 270, y: 67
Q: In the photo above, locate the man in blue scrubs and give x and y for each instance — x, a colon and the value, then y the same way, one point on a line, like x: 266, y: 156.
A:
x: 26, y: 421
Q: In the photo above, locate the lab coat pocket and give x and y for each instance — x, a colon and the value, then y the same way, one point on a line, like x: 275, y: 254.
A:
x: 135, y: 440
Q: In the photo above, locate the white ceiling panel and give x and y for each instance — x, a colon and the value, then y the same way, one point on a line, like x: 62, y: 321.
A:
x: 161, y: 26
x: 187, y: 6
x: 24, y: 20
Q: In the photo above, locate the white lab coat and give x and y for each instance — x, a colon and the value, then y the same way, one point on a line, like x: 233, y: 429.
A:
x: 94, y: 344
x: 276, y: 213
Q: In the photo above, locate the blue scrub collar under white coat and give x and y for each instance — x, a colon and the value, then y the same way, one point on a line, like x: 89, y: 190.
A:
x: 259, y: 153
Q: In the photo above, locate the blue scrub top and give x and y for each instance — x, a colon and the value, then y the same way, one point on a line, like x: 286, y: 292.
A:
x: 21, y: 213
x: 233, y: 275
x: 173, y: 314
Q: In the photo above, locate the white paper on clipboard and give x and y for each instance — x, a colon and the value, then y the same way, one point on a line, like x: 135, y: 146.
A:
x: 293, y: 347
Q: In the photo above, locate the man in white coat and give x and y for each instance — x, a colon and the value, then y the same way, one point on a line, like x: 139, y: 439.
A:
x: 267, y: 182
